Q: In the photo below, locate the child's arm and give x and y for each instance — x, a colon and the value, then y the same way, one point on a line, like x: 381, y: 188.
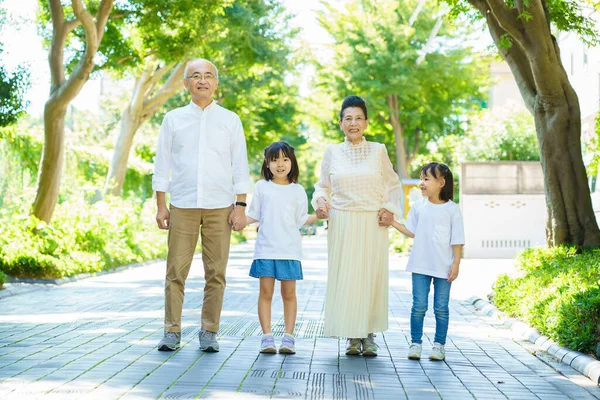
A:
x: 457, y: 251
x: 311, y: 218
x: 250, y: 220
x: 402, y: 229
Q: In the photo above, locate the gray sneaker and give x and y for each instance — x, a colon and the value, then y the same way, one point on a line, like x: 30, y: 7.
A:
x: 288, y: 345
x: 171, y: 341
x: 353, y: 346
x: 438, y: 353
x: 369, y: 347
x: 414, y: 351
x: 267, y: 344
x: 208, y: 341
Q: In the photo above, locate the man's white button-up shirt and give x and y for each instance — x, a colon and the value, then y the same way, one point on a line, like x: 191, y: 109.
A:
x: 201, y: 157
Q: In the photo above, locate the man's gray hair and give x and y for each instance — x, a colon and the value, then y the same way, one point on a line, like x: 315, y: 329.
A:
x: 196, y: 60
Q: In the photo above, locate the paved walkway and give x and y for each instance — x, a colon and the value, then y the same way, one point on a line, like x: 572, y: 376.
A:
x: 96, y: 338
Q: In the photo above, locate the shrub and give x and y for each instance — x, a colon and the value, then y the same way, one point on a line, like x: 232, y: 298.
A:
x: 82, y: 238
x: 558, y: 293
x: 3, y: 279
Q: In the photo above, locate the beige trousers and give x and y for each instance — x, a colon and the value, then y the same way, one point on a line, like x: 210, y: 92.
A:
x: 185, y: 225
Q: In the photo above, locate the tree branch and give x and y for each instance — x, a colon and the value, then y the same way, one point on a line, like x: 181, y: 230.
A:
x: 56, y: 13
x: 70, y: 25
x: 158, y: 74
x: 519, y: 64
x: 515, y: 56
x: 519, y: 6
x: 56, y: 52
x: 84, y: 67
x: 415, y: 14
x: 102, y: 17
x: 506, y: 17
x: 171, y: 86
x: 539, y: 26
x: 432, y: 35
x: 87, y: 21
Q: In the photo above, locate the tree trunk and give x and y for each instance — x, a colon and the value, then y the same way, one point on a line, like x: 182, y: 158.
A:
x: 62, y: 92
x: 394, y: 110
x: 534, y: 59
x: 571, y: 218
x: 130, y: 123
x: 138, y: 111
x: 51, y: 165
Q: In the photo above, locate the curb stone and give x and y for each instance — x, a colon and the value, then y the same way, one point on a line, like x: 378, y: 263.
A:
x: 582, y: 363
x: 16, y: 286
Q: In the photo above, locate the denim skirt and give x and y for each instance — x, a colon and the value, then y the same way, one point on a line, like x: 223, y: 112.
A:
x: 282, y: 270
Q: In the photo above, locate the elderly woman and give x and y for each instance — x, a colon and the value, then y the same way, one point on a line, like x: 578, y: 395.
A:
x: 359, y: 192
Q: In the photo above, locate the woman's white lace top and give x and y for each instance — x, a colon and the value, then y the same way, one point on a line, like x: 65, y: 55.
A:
x: 359, y: 177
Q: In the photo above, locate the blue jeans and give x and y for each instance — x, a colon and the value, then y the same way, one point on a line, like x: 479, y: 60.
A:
x: 441, y: 297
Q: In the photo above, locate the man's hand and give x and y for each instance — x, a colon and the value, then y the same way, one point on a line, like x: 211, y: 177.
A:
x: 323, y: 208
x: 453, y: 274
x: 385, y: 217
x: 237, y: 218
x: 162, y: 217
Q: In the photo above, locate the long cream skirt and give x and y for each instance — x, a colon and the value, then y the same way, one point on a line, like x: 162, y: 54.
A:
x: 356, y: 301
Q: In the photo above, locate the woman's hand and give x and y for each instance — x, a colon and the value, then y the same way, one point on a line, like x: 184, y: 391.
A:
x: 385, y: 217
x: 323, y: 208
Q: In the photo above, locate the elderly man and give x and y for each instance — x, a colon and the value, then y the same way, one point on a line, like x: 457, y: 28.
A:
x: 201, y: 161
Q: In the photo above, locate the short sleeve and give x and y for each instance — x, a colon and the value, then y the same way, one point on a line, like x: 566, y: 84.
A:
x: 302, y: 207
x: 458, y: 229
x: 413, y: 218
x: 254, y: 209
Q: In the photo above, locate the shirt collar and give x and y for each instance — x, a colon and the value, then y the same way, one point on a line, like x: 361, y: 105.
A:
x: 199, y: 109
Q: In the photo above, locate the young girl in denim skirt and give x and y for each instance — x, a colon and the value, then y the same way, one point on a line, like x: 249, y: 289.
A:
x: 280, y: 206
x: 435, y: 256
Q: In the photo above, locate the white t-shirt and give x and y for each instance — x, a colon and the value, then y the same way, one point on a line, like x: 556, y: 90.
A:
x: 436, y: 227
x: 281, y: 210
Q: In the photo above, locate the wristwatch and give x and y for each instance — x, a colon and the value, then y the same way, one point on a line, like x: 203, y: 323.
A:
x: 240, y: 203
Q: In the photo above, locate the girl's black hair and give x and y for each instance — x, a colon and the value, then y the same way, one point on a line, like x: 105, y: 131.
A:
x: 439, y: 170
x: 272, y: 153
x: 353, y: 101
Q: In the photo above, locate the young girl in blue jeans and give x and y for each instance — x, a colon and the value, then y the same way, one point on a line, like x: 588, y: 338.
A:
x: 280, y: 206
x: 438, y: 231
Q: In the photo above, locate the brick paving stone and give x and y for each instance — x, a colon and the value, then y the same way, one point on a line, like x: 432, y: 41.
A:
x: 96, y: 339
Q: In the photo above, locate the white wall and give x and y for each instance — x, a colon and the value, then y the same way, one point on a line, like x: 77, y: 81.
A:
x: 499, y: 226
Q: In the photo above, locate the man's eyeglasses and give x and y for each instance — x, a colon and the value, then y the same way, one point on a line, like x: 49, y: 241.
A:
x: 197, y: 76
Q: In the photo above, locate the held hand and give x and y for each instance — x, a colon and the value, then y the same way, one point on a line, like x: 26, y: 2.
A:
x: 322, y: 213
x: 385, y: 217
x: 162, y: 217
x: 323, y: 208
x: 453, y: 274
x: 322, y: 203
x: 237, y: 218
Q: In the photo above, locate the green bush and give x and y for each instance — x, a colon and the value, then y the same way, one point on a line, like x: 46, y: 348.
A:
x: 3, y: 279
x: 82, y: 238
x: 558, y: 293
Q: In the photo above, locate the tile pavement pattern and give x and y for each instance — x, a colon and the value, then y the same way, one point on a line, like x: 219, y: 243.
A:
x: 96, y: 339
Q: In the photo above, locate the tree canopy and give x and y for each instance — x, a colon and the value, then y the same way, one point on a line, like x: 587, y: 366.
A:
x: 413, y: 68
x: 523, y: 31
